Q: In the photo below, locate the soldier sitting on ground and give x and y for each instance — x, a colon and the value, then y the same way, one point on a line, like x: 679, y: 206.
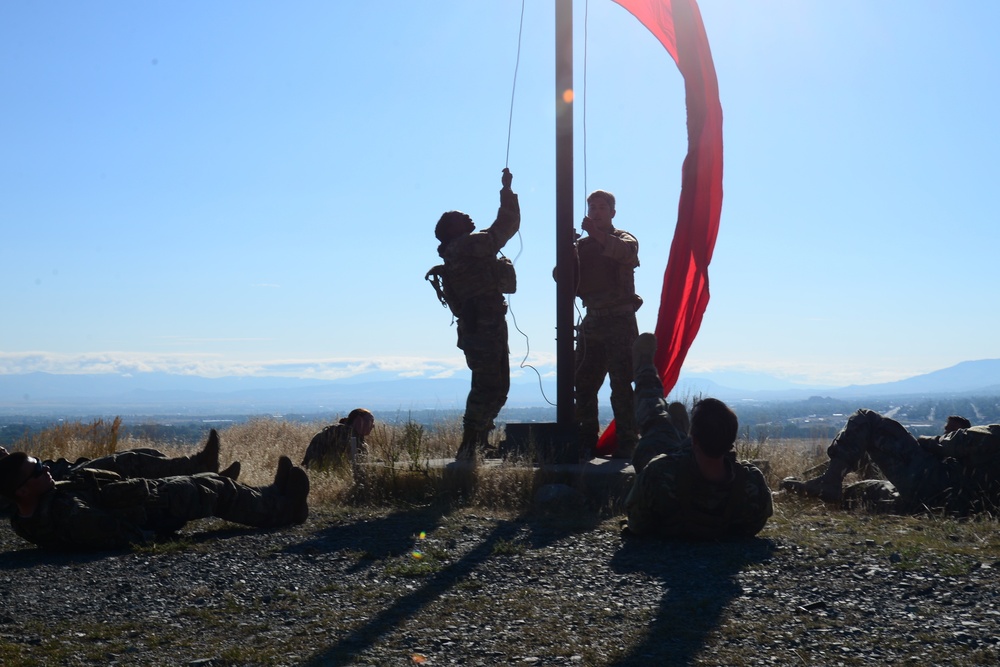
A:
x: 694, y: 487
x: 958, y: 472
x: 340, y: 442
x: 97, y: 509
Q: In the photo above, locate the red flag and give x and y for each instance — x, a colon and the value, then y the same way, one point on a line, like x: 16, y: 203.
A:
x: 678, y: 26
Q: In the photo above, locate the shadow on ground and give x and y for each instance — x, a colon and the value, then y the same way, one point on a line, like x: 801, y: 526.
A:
x: 699, y: 581
x: 394, y: 535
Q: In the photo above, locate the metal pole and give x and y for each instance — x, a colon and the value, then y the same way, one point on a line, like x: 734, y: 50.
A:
x: 565, y: 262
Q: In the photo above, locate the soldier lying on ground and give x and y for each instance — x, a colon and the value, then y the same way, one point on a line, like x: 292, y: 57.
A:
x: 139, y: 462
x: 145, y: 462
x: 958, y: 472
x: 98, y: 509
x: 691, y: 487
x: 340, y: 442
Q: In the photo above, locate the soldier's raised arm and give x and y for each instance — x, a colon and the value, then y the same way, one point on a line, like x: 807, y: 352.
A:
x: 508, y: 220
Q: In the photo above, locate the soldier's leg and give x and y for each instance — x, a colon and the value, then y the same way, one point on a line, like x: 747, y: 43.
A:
x: 922, y: 479
x: 487, y: 358
x: 152, y: 464
x: 176, y: 500
x: 591, y: 368
x: 620, y: 373
x: 659, y: 435
x: 494, y: 380
x: 850, y: 446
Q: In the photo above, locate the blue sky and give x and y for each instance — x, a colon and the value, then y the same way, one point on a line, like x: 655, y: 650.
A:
x: 251, y: 187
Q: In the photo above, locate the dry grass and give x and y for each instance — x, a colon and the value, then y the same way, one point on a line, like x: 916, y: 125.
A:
x: 398, y: 470
x: 71, y: 440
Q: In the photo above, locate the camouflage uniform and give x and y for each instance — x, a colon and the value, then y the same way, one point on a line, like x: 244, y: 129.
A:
x: 670, y: 498
x: 332, y: 446
x: 474, y: 282
x: 606, y: 285
x: 96, y: 509
x: 957, y: 471
x: 140, y: 462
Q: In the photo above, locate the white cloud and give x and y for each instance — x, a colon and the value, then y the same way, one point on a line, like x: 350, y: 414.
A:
x: 214, y: 365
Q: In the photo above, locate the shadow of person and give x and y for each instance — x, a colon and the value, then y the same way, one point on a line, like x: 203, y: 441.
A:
x: 31, y: 557
x: 378, y: 538
x: 698, y: 580
x: 532, y: 530
x: 351, y: 645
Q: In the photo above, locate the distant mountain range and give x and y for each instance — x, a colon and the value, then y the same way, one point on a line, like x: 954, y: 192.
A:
x: 160, y: 393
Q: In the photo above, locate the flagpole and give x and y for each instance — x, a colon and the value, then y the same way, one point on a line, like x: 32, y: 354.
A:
x: 565, y: 260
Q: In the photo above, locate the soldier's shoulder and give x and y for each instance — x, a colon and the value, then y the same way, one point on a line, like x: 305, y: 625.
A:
x: 667, y: 463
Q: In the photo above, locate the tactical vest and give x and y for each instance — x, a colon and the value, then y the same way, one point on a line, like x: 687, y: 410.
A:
x: 463, y: 278
x: 602, y: 281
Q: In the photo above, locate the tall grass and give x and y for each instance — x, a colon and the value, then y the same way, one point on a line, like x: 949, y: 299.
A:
x: 72, y: 440
x: 402, y: 465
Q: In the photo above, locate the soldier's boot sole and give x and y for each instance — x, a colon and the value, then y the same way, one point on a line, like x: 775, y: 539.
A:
x: 643, y: 351
x: 281, y: 475
x: 297, y: 493
x: 208, y: 458
x: 233, y: 471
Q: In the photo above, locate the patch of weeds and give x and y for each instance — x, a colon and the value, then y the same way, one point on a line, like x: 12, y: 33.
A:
x: 508, y: 548
x: 413, y: 443
x: 909, y: 558
x: 414, y: 564
x: 955, y: 567
x: 174, y: 546
x: 198, y: 613
x: 11, y: 654
x: 242, y: 655
x: 288, y: 594
x: 469, y: 585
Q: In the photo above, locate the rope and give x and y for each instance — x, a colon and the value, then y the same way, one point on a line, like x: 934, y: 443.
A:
x: 510, y: 305
x: 586, y: 25
x: 581, y: 342
x: 517, y: 63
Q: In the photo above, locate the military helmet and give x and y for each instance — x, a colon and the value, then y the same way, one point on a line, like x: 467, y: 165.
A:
x: 452, y: 225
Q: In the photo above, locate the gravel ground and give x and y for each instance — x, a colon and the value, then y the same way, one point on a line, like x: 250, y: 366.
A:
x: 469, y: 587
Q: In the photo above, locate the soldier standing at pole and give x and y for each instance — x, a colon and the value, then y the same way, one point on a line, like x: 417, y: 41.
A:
x: 607, y: 259
x: 472, y: 283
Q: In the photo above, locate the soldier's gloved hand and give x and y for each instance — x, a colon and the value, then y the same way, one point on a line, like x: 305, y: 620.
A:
x: 507, y: 177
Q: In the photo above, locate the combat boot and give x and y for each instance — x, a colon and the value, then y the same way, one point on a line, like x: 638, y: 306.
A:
x: 587, y: 441
x: 281, y: 475
x: 468, y: 451
x: 297, y: 494
x: 626, y: 445
x: 207, y: 460
x: 643, y: 350
x: 233, y: 471
x: 828, y: 487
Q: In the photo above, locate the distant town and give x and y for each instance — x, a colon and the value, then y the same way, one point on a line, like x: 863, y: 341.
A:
x: 816, y: 417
